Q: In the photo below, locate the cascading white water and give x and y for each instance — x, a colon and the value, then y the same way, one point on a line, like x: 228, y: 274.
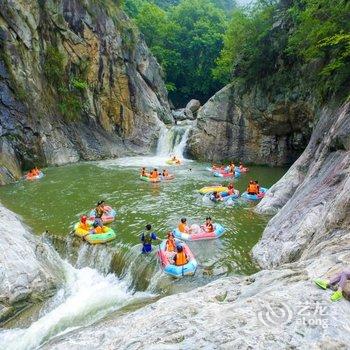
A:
x: 86, y: 297
x: 173, y: 141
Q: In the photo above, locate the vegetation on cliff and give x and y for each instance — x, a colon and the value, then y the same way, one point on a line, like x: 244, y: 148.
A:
x: 186, y: 40
x: 288, y: 42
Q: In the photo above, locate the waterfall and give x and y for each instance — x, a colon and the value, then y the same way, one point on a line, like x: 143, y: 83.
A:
x: 173, y: 141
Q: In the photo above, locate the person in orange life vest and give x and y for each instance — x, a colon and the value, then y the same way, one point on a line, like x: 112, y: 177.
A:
x: 83, y: 223
x: 144, y: 172
x: 154, y: 174
x: 170, y: 247
x: 208, y: 225
x: 231, y: 189
x: 252, y: 188
x: 257, y: 186
x: 183, y: 226
x: 180, y: 257
x: 37, y: 171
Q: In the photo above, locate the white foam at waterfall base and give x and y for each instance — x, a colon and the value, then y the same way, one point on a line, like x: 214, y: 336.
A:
x: 171, y: 142
x: 86, y: 297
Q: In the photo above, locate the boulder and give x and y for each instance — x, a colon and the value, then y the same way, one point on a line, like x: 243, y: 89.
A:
x: 193, y: 106
x: 30, y: 270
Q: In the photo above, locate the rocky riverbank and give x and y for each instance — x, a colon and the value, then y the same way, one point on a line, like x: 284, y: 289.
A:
x: 30, y: 270
x: 76, y: 82
x: 278, y: 308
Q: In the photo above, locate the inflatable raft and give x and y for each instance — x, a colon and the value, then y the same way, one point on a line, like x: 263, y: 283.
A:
x: 218, y: 232
x: 173, y: 162
x: 96, y: 238
x: 36, y: 177
x: 255, y: 197
x: 168, y: 178
x: 173, y: 270
x: 225, y: 174
x: 225, y: 196
x: 148, y: 179
x: 209, y: 189
x: 107, y: 217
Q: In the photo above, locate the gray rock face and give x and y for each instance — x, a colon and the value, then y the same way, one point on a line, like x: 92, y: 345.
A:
x: 124, y: 101
x: 253, y: 128
x: 29, y: 269
x: 313, y: 198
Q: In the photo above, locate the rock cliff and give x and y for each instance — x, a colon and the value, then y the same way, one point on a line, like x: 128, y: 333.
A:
x: 76, y: 82
x: 253, y: 127
x: 279, y: 307
x: 29, y: 269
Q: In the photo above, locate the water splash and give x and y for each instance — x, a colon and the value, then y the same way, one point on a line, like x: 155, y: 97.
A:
x: 86, y: 297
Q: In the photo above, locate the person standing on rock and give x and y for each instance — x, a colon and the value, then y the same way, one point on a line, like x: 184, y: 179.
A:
x: 147, y: 238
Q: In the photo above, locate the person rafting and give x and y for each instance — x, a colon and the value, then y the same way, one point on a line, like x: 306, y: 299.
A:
x: 252, y: 188
x: 231, y: 168
x: 99, y: 211
x: 241, y: 166
x: 180, y: 257
x: 154, y: 175
x: 216, y: 196
x: 147, y: 238
x: 175, y: 160
x: 230, y: 189
x: 183, y: 227
x: 257, y: 186
x: 144, y: 172
x: 338, y: 280
x: 83, y: 224
x: 165, y: 173
x: 36, y: 170
x: 208, y: 225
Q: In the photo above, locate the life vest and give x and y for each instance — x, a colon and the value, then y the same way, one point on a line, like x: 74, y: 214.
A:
x: 180, y: 259
x: 210, y: 227
x: 147, y: 239
x: 154, y: 175
x: 99, y: 229
x: 84, y: 226
x: 170, y: 245
x: 252, y: 188
x: 182, y: 227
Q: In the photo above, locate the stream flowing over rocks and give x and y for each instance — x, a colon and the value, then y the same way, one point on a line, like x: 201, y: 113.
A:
x: 278, y: 308
x: 30, y: 270
x: 77, y: 82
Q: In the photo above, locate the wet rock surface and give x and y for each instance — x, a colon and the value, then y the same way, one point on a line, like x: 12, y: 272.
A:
x: 253, y: 127
x: 108, y: 74
x: 312, y: 198
x: 30, y: 270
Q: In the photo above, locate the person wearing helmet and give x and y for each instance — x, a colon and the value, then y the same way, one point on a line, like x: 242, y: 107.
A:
x: 180, y: 257
x: 147, y: 238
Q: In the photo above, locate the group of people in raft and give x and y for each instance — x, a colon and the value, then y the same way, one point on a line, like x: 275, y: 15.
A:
x: 33, y: 173
x: 97, y: 225
x: 154, y: 174
x: 174, y: 250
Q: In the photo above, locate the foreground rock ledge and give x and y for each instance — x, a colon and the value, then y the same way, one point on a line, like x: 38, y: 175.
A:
x: 29, y: 269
